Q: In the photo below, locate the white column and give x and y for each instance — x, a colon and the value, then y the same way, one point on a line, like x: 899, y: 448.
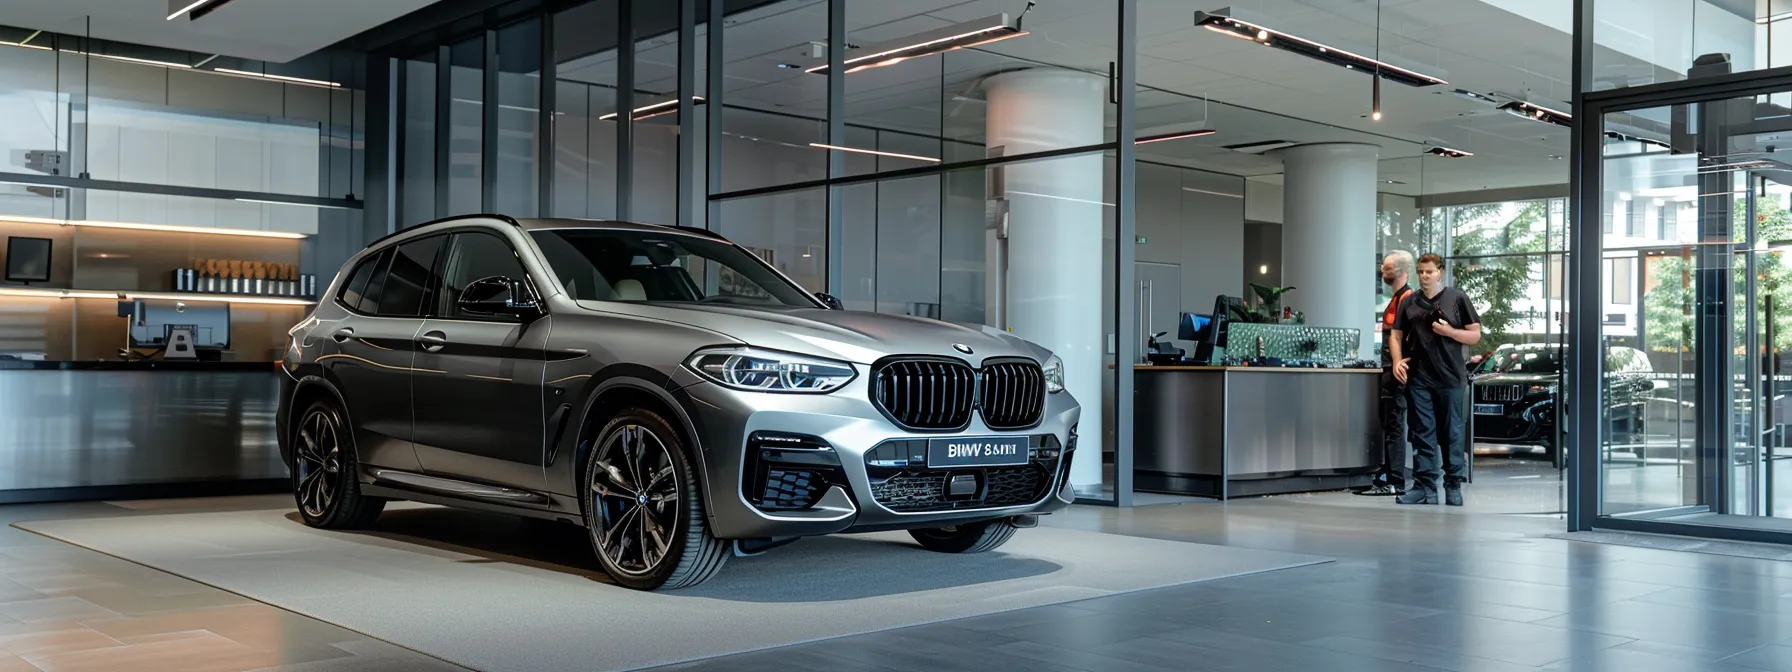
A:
x: 1328, y: 235
x: 1055, y: 231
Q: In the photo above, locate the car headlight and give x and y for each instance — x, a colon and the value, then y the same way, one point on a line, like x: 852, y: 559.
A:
x: 768, y: 371
x: 1054, y: 375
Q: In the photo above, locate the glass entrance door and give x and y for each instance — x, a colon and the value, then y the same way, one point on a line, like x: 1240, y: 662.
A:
x: 1697, y: 311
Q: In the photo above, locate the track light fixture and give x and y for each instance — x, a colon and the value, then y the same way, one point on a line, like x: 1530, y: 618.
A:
x: 1538, y: 113
x: 982, y: 31
x: 968, y: 34
x: 1620, y: 137
x: 1448, y: 153
x: 1221, y: 21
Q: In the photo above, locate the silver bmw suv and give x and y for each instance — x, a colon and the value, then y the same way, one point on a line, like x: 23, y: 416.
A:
x: 666, y: 389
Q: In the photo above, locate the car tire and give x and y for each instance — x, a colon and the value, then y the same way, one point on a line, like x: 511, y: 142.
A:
x: 621, y: 520
x: 324, y: 472
x: 968, y: 538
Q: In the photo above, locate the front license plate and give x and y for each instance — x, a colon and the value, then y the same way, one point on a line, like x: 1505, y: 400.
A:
x: 1489, y: 409
x: 999, y: 451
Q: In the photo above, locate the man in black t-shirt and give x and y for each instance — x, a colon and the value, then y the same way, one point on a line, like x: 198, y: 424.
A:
x: 1430, y: 330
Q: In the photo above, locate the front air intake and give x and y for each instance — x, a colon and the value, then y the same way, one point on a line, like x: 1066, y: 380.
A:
x: 935, y: 394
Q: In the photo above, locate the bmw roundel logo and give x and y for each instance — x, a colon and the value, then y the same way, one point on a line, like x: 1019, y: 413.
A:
x: 962, y: 348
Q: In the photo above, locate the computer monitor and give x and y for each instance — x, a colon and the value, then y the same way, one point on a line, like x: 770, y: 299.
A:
x: 151, y: 321
x: 1193, y: 327
x: 27, y: 259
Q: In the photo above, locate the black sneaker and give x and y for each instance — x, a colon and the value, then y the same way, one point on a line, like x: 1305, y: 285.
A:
x: 1382, y: 490
x: 1417, y: 496
x: 1453, y: 496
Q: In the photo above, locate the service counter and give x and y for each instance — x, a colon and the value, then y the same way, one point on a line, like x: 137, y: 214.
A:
x: 120, y: 430
x: 1223, y: 432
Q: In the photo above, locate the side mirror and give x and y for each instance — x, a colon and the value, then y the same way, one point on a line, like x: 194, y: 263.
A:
x: 830, y: 301
x: 498, y: 295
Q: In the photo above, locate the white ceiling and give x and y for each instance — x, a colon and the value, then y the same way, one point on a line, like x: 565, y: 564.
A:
x: 263, y: 30
x: 1251, y: 93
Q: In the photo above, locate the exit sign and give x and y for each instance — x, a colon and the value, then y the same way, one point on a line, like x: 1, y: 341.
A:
x: 1141, y: 240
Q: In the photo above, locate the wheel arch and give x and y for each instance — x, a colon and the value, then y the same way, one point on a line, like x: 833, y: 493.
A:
x: 308, y: 390
x: 627, y: 386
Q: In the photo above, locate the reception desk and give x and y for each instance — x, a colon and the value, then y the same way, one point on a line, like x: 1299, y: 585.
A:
x: 1224, y: 432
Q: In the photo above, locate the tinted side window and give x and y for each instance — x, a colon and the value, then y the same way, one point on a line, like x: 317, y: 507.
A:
x: 474, y: 256
x: 408, y: 277
x: 354, y: 290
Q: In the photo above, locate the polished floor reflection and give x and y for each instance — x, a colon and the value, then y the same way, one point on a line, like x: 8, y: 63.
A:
x: 1414, y: 588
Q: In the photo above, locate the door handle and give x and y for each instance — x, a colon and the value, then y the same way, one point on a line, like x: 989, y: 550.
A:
x: 342, y: 335
x: 433, y: 340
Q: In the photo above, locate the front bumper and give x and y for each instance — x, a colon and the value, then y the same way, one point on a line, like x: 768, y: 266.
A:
x: 847, y: 423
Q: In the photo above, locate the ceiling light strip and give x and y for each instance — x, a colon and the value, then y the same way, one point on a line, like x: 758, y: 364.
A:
x: 1174, y: 136
x: 182, y: 11
x: 873, y: 151
x: 302, y: 205
x: 654, y: 110
x: 283, y: 78
x: 1227, y: 194
x: 165, y: 228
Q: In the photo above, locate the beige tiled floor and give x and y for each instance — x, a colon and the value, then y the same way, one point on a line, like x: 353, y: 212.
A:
x: 67, y: 609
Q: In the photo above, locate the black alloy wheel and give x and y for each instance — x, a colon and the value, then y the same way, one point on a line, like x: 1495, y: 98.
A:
x: 644, y: 514
x: 323, y: 473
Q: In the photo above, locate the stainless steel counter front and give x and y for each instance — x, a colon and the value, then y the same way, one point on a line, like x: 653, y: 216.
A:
x: 137, y: 431
x: 1227, y: 432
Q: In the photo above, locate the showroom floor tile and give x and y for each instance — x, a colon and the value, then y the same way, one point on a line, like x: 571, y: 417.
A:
x: 1421, y: 589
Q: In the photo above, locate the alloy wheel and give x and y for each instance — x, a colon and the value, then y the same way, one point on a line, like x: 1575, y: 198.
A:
x: 635, y: 500
x: 318, y: 464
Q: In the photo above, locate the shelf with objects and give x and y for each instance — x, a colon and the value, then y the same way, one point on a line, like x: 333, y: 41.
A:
x: 1265, y: 405
x: 99, y: 290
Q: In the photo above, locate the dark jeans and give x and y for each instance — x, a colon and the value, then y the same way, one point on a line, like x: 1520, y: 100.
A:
x: 1395, y: 454
x: 1436, y: 427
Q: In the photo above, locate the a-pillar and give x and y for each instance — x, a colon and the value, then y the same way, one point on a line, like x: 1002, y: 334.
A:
x: 1055, y: 215
x: 1328, y: 235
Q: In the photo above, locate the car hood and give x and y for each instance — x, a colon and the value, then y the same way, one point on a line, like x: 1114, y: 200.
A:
x: 854, y: 336
x: 1516, y: 379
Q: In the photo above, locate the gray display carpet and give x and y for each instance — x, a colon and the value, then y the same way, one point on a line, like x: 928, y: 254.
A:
x: 1688, y: 544
x: 498, y: 594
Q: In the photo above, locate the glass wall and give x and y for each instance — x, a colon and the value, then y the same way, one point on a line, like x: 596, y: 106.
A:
x: 1655, y: 41
x: 139, y: 166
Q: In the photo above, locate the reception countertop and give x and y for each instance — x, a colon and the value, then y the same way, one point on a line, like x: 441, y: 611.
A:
x: 1218, y: 431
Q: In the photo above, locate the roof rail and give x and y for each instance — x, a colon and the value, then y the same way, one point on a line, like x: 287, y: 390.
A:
x: 504, y: 218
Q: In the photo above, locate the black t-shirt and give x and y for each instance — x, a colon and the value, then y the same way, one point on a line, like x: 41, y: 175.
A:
x: 1437, y: 361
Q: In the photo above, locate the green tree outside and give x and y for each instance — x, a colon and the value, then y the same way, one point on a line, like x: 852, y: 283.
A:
x: 1667, y: 308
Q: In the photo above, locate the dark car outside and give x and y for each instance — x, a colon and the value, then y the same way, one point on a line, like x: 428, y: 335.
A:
x: 1517, y: 389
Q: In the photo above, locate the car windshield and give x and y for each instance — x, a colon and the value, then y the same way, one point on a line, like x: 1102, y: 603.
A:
x: 1524, y: 361
x: 652, y: 266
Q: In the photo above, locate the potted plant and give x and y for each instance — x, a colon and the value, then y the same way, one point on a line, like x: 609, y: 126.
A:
x: 1267, y: 309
